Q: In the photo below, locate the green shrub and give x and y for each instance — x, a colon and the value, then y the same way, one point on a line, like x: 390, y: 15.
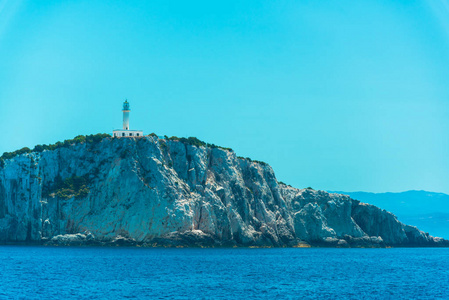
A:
x: 9, y: 155
x: 260, y: 162
x: 194, y: 141
x: 79, y: 139
x: 38, y: 148
x: 95, y: 139
x: 163, y: 146
x: 219, y: 147
x: 74, y: 186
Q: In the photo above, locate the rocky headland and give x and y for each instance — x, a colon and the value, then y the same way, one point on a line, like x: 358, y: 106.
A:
x: 176, y: 192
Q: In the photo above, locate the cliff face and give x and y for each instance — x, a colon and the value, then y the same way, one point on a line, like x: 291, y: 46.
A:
x: 163, y: 192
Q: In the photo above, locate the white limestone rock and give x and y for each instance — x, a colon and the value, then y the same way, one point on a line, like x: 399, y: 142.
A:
x: 153, y: 192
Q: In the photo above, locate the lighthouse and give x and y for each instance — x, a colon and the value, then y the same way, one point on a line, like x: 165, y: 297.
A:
x: 126, y: 132
x: 126, y: 115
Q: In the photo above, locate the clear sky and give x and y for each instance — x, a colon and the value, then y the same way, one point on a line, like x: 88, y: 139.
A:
x: 337, y: 95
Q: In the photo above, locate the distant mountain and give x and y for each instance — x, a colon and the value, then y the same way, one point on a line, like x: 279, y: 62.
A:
x: 427, y: 210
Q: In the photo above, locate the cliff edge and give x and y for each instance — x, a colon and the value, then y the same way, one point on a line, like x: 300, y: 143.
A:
x: 177, y: 192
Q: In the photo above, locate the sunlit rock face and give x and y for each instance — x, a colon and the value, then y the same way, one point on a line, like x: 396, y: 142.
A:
x: 156, y: 192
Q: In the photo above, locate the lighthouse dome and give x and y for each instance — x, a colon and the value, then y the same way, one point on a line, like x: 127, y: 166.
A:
x: 126, y: 105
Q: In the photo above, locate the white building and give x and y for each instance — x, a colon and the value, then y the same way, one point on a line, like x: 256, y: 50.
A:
x: 125, y: 132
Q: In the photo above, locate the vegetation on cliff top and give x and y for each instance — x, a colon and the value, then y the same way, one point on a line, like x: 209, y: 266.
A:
x: 96, y: 138
x: 90, y: 139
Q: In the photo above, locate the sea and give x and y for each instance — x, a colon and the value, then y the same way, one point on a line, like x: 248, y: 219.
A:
x: 29, y: 272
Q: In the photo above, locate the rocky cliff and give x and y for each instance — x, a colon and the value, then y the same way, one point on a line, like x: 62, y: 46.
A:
x: 153, y: 191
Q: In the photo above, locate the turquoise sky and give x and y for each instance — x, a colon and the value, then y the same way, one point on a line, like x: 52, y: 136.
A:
x: 337, y: 95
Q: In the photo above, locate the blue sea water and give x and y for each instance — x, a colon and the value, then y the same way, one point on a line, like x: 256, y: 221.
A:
x: 155, y: 273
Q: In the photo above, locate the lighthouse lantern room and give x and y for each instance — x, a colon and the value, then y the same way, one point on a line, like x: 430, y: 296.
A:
x: 125, y: 132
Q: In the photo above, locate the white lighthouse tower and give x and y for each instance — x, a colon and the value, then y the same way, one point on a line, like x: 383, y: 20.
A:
x: 126, y: 115
x: 125, y: 132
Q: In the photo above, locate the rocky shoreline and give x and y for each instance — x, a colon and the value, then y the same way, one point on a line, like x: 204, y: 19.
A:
x: 208, y: 242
